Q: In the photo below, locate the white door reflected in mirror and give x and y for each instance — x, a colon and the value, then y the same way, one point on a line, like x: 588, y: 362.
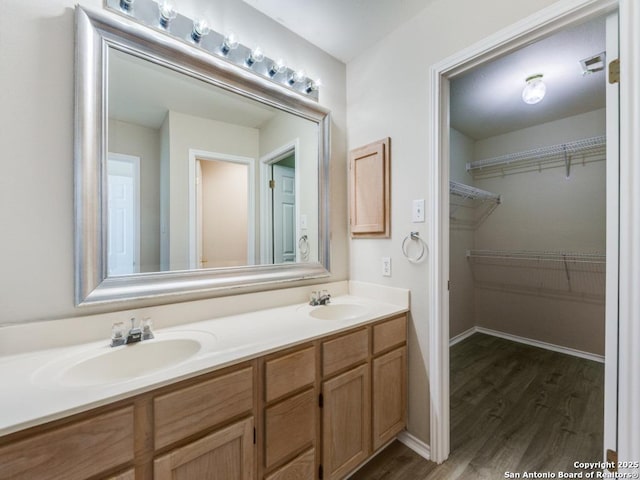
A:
x: 123, y: 172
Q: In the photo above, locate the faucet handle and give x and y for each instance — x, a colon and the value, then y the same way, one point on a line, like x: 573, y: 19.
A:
x: 117, y: 334
x: 146, y: 325
x: 313, y: 298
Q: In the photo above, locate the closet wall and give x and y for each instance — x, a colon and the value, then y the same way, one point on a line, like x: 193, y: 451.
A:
x: 542, y: 210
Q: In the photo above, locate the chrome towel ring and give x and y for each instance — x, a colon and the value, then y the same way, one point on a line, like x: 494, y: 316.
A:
x: 414, y: 237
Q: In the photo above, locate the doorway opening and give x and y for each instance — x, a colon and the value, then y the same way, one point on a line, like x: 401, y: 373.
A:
x: 279, y: 213
x: 221, y: 210
x: 553, y: 20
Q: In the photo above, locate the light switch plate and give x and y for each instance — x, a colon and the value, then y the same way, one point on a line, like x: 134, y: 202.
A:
x: 386, y: 266
x: 417, y: 213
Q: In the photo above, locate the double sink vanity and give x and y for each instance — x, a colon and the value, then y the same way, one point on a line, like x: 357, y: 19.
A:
x: 294, y: 392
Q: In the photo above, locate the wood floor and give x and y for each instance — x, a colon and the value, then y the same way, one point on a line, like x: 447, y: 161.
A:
x: 514, y: 408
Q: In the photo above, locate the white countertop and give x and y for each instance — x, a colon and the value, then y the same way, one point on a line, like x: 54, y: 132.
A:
x: 32, y: 392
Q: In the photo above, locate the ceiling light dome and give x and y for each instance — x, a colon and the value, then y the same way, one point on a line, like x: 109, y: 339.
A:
x: 534, y: 90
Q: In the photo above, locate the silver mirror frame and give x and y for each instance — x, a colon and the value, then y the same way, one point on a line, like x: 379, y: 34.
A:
x: 98, y: 31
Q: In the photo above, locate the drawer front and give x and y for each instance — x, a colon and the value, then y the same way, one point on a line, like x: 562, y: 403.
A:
x: 290, y: 426
x: 389, y: 334
x: 128, y: 475
x: 345, y: 351
x: 300, y: 468
x: 94, y: 445
x: 289, y: 372
x: 190, y: 410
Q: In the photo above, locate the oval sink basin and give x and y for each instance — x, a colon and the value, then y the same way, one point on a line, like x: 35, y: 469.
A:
x: 130, y: 361
x: 344, y: 311
x: 104, y: 365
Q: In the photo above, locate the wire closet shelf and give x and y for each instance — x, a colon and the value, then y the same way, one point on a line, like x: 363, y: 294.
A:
x: 577, y: 275
x: 525, y: 255
x: 552, y: 153
x: 472, y: 193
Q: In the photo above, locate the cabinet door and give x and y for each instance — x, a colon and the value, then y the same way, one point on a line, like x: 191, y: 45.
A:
x: 227, y: 454
x: 346, y: 420
x: 389, y: 396
x: 370, y: 190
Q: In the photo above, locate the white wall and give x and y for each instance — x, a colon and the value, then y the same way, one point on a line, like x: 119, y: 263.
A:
x: 461, y: 239
x: 189, y: 132
x: 281, y: 130
x: 388, y: 95
x: 545, y: 211
x: 144, y: 143
x: 36, y: 137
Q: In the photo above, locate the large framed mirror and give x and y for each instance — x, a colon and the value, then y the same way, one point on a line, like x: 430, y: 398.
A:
x: 192, y: 174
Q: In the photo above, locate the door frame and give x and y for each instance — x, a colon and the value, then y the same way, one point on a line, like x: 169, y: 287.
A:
x: 194, y: 156
x: 554, y: 18
x: 266, y: 202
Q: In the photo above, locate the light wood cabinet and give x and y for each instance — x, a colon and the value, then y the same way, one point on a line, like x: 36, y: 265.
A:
x: 290, y: 415
x: 226, y: 454
x: 75, y: 451
x: 322, y: 406
x: 128, y: 475
x: 189, y: 410
x: 389, y: 396
x: 370, y: 195
x: 346, y: 422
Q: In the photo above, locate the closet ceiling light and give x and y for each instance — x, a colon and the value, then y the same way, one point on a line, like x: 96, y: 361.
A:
x: 534, y: 90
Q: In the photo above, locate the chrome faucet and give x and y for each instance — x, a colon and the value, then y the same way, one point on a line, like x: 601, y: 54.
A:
x: 134, y: 335
x: 320, y: 298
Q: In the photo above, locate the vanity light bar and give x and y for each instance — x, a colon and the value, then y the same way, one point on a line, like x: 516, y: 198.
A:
x: 198, y: 34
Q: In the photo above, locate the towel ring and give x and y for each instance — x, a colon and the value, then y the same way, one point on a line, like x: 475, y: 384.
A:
x: 405, y: 245
x: 303, y: 247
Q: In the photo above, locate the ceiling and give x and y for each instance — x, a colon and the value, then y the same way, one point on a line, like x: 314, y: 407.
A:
x: 141, y: 92
x: 342, y: 28
x: 487, y: 100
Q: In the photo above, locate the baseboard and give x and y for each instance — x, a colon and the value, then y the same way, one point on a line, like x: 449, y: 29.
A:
x: 415, y: 444
x: 462, y: 336
x: 540, y: 344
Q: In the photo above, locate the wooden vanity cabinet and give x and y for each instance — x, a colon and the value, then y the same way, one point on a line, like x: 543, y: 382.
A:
x: 346, y: 399
x: 290, y: 415
x: 83, y: 448
x: 317, y: 409
x: 388, y: 380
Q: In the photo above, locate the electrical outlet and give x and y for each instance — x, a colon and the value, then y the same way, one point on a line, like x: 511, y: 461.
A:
x: 417, y: 213
x: 386, y: 266
x: 303, y: 221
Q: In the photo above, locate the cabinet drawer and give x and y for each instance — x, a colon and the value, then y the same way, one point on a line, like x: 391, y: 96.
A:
x: 290, y: 426
x: 76, y: 451
x: 345, y: 351
x: 389, y: 334
x: 190, y: 410
x: 289, y: 372
x: 300, y: 468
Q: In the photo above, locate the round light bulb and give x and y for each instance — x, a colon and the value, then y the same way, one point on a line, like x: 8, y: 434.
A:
x: 255, y: 56
x: 278, y: 66
x: 168, y: 11
x: 200, y: 29
x: 534, y: 90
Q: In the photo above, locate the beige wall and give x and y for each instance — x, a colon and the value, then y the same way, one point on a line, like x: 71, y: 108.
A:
x: 281, y: 130
x: 461, y: 239
x: 224, y: 214
x: 544, y: 211
x: 188, y: 132
x: 388, y: 95
x: 36, y: 137
x: 144, y: 143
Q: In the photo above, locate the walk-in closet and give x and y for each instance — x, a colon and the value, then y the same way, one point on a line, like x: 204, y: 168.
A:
x: 527, y: 220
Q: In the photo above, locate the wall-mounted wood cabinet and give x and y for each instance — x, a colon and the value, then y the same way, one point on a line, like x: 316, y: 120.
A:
x: 370, y: 190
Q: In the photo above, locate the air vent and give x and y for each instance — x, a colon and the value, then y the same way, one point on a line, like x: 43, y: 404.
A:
x: 593, y: 64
